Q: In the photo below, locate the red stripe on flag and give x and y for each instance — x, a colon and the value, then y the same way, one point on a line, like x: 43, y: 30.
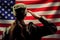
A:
x: 58, y: 32
x: 50, y: 39
x: 4, y: 25
x: 37, y: 2
x: 52, y: 16
x: 1, y: 32
x: 47, y: 16
x: 57, y: 24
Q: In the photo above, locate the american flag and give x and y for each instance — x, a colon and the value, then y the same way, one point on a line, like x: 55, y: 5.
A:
x: 6, y: 15
x: 47, y: 8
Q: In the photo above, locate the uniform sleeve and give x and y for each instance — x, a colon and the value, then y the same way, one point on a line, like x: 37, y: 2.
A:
x: 47, y: 29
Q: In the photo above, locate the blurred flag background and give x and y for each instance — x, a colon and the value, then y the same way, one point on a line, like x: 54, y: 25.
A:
x: 48, y: 8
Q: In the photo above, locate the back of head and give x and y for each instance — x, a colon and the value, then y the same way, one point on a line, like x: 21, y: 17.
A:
x: 17, y: 6
x: 19, y: 10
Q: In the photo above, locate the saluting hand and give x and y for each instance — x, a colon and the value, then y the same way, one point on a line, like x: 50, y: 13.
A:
x: 35, y: 15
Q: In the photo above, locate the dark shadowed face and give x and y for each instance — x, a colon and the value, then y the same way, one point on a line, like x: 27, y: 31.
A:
x: 20, y: 13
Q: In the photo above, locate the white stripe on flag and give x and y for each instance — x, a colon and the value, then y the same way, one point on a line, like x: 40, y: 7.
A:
x: 52, y: 36
x: 37, y: 21
x: 6, y: 21
x: 43, y: 5
x: 52, y: 12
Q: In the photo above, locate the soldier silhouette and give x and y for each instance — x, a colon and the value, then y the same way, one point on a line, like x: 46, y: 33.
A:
x: 20, y: 31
